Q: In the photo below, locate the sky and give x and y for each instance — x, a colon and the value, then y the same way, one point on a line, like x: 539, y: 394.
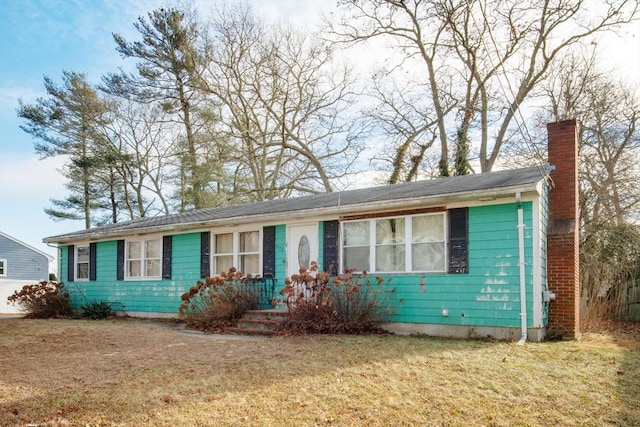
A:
x: 44, y: 37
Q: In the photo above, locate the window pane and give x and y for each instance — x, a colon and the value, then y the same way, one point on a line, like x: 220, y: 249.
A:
x: 152, y: 268
x: 356, y: 259
x: 83, y: 271
x: 135, y: 250
x: 390, y: 258
x: 356, y: 233
x: 250, y: 241
x: 134, y: 268
x: 390, y: 231
x: 153, y: 248
x: 222, y: 263
x: 83, y: 254
x: 428, y: 228
x: 428, y: 256
x: 224, y: 243
x: 250, y: 264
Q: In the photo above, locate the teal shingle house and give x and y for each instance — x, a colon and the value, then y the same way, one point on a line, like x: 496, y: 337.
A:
x: 467, y: 255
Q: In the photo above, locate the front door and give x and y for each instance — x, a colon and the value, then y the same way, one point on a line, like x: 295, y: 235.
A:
x: 302, y: 247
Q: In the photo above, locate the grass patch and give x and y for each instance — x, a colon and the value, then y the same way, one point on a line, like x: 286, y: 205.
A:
x: 129, y: 373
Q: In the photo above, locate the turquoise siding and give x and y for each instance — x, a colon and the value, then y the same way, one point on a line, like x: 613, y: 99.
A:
x: 489, y: 295
x: 281, y: 254
x: 159, y: 296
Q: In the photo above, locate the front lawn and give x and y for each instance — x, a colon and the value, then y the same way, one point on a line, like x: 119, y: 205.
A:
x: 132, y: 373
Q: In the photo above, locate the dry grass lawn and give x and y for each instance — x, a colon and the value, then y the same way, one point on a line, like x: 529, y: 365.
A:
x: 132, y: 373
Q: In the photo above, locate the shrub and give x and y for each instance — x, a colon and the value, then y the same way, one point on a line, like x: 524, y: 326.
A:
x: 342, y: 304
x: 97, y: 309
x: 42, y: 300
x: 215, y: 303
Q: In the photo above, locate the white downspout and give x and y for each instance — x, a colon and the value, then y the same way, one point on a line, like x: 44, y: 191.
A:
x: 521, y: 263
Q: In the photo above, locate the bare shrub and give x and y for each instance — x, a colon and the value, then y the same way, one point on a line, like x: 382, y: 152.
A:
x: 214, y: 304
x: 42, y: 300
x: 344, y: 304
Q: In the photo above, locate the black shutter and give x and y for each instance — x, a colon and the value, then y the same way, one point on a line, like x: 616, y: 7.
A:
x: 330, y: 247
x: 120, y: 261
x: 71, y: 252
x: 166, y: 257
x: 92, y: 261
x: 205, y: 250
x: 459, y: 240
x: 269, y: 252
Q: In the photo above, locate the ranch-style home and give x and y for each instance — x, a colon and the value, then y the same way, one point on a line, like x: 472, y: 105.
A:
x: 469, y: 256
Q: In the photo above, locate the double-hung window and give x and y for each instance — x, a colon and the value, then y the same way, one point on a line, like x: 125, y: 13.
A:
x: 3, y: 267
x: 412, y: 243
x: 240, y: 249
x: 143, y: 259
x: 82, y: 262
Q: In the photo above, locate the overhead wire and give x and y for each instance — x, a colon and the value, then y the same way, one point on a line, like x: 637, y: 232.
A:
x: 518, y: 112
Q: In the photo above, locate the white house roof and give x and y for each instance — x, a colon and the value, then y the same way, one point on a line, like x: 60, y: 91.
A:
x: 439, y: 190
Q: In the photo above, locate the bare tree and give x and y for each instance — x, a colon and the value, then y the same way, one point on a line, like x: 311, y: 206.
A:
x: 608, y: 114
x: 284, y: 104
x: 143, y: 149
x: 480, y: 60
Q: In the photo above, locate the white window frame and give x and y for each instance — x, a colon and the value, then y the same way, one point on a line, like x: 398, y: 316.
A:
x: 76, y: 263
x: 143, y: 259
x: 236, y: 254
x: 3, y: 268
x: 408, y: 243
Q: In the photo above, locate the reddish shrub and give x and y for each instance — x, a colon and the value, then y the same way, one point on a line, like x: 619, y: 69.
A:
x: 216, y: 302
x: 43, y: 300
x: 343, y: 304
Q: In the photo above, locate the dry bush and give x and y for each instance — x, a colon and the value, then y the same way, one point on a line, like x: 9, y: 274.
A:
x: 42, y: 300
x: 344, y: 304
x: 215, y: 303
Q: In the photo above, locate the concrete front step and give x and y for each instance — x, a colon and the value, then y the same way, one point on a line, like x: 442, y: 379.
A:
x: 244, y: 331
x: 260, y: 322
x: 278, y: 314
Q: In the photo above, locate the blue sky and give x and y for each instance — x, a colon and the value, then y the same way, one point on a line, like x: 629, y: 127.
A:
x: 44, y: 37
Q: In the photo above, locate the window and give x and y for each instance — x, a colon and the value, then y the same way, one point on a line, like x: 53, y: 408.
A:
x: 3, y: 267
x: 143, y: 259
x: 82, y: 262
x: 400, y: 244
x: 237, y: 249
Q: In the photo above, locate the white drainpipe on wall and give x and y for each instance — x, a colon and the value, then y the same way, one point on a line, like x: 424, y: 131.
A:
x: 521, y: 263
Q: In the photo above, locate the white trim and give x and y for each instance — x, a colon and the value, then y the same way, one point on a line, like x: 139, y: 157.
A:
x: 235, y: 254
x: 143, y: 260
x: 75, y: 262
x: 49, y: 257
x: 408, y: 243
x: 3, y: 272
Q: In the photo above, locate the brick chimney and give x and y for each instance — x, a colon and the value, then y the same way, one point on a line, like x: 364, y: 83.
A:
x: 563, y: 264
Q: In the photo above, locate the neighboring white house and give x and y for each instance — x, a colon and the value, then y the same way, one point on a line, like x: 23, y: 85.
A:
x: 20, y: 264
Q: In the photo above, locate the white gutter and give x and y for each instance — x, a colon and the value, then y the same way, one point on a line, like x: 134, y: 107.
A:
x: 521, y: 263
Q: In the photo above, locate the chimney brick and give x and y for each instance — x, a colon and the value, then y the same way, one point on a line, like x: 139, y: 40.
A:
x: 562, y: 235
